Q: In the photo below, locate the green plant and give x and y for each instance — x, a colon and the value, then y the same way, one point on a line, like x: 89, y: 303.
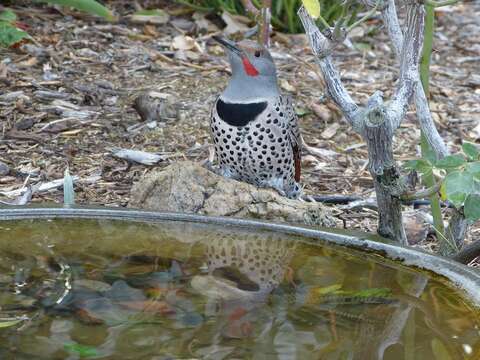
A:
x: 10, y: 34
x: 425, y: 148
x: 284, y: 12
x: 88, y: 6
x: 459, y: 178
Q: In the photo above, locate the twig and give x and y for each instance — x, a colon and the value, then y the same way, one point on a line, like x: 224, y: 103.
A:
x: 365, y: 17
x: 138, y: 156
x: 322, y: 48
x: 250, y: 8
x: 43, y: 187
x: 421, y: 194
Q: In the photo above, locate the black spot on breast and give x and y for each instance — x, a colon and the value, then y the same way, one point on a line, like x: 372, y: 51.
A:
x: 239, y: 114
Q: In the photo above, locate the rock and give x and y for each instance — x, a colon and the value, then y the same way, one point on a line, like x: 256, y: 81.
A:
x: 154, y: 106
x: 188, y: 187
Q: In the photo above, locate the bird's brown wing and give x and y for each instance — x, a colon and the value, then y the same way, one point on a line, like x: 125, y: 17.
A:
x: 295, y: 139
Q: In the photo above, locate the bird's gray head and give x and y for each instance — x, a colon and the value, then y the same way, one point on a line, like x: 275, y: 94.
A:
x: 254, y: 75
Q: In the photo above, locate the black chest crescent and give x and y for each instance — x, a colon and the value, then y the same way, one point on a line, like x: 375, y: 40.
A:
x: 239, y: 114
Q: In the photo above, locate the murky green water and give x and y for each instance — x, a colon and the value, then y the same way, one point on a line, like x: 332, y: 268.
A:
x: 126, y: 290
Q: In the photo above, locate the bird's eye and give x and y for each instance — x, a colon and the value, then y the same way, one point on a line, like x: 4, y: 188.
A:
x: 257, y: 53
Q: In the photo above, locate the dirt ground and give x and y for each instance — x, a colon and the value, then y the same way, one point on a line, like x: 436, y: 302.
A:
x: 66, y: 99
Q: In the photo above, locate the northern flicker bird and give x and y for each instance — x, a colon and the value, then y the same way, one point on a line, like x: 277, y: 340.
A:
x: 254, y: 127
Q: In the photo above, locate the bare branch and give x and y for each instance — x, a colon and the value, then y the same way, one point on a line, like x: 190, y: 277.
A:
x: 264, y: 24
x: 390, y: 19
x: 365, y: 17
x: 422, y: 193
x: 409, y: 58
x: 250, y: 8
x: 427, y: 125
x: 322, y: 48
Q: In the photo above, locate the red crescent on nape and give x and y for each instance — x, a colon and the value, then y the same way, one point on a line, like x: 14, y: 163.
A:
x: 249, y: 68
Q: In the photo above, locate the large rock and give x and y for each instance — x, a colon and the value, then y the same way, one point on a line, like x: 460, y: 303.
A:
x: 188, y: 187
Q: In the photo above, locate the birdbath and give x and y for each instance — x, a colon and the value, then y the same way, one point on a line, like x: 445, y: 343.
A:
x: 110, y: 283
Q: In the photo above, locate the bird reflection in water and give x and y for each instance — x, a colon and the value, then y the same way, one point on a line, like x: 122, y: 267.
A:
x: 240, y: 276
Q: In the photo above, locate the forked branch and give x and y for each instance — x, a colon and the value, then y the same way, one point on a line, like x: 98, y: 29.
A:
x: 377, y: 120
x: 322, y: 47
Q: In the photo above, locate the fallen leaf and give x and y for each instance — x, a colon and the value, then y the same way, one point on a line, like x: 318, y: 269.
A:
x: 182, y: 42
x: 330, y: 131
x: 322, y: 111
x: 233, y: 25
x: 284, y: 84
x: 28, y: 63
x: 475, y: 132
x: 150, y: 30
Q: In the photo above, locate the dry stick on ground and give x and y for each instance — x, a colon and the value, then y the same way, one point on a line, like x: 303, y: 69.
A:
x: 378, y: 120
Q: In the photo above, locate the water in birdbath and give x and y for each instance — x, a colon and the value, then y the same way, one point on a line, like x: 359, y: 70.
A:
x: 106, y: 289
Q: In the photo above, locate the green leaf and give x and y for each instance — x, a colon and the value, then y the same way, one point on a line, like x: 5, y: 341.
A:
x: 8, y: 16
x: 5, y: 324
x: 82, y: 350
x: 439, y: 350
x: 301, y: 111
x: 89, y: 6
x: 443, y: 192
x: 471, y: 150
x: 421, y: 165
x: 450, y: 162
x: 472, y: 207
x: 457, y: 198
x: 312, y: 7
x: 474, y: 169
x: 10, y: 35
x: 428, y: 153
x: 456, y: 187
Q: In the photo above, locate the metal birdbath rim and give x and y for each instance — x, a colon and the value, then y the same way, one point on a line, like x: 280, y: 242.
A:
x: 460, y: 276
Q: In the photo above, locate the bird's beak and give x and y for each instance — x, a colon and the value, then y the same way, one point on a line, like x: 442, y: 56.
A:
x: 229, y: 45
